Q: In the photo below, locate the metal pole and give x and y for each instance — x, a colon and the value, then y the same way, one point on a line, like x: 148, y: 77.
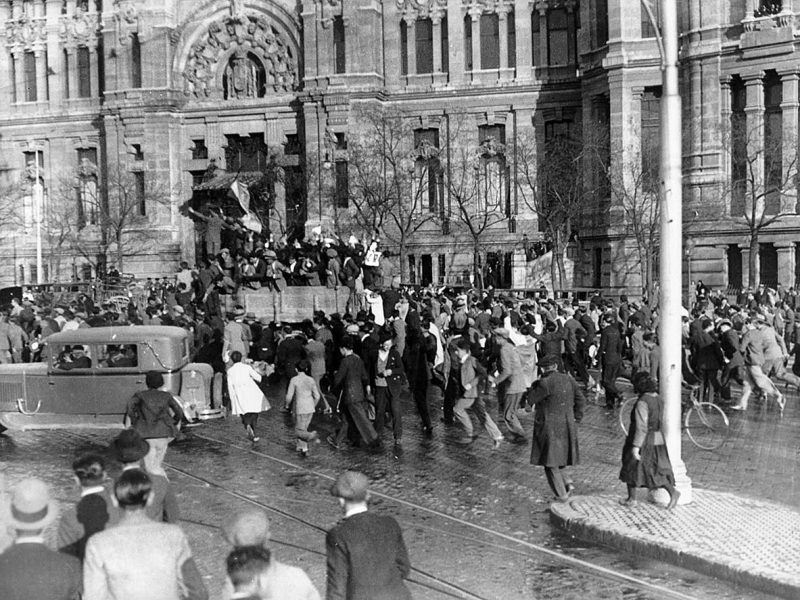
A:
x: 37, y: 200
x: 671, y: 249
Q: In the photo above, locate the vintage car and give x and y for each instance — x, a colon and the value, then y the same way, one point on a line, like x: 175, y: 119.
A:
x: 87, y: 376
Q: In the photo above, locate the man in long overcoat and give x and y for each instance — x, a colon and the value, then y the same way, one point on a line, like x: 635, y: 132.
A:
x: 558, y: 404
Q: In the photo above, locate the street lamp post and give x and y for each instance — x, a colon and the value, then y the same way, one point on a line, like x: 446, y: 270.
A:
x: 38, y: 196
x: 671, y: 277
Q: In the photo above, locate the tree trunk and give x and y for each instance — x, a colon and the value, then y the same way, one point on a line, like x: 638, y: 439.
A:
x: 119, y: 251
x: 476, y: 265
x: 403, y: 260
x: 752, y: 260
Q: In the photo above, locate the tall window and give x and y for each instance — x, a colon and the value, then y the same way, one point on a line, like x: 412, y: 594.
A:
x: 139, y: 190
x: 342, y: 184
x: 424, y: 48
x: 428, y: 183
x: 136, y: 61
x: 601, y: 22
x: 490, y: 41
x: 339, y: 64
x: 84, y: 70
x: 511, y: 36
x: 199, y: 149
x: 65, y: 74
x: 403, y: 47
x: 558, y: 40
x: 29, y: 59
x: 648, y: 30
x: 536, y: 39
x: 445, y: 46
x: 738, y: 146
x: 493, y: 171
x: 86, y: 192
x: 468, y: 63
x: 773, y: 142
x: 650, y: 138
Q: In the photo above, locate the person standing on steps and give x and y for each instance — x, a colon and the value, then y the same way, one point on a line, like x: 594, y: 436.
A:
x: 558, y: 404
x: 645, y: 460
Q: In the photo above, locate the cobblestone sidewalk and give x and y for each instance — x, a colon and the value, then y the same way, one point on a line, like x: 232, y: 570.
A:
x: 752, y: 542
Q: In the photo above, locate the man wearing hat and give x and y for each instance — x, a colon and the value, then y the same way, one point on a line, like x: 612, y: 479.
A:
x: 274, y: 273
x: 559, y: 403
x: 511, y: 385
x: 29, y: 569
x: 367, y: 557
x: 129, y: 449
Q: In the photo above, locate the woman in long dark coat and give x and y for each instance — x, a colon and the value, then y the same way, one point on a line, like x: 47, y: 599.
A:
x: 645, y: 461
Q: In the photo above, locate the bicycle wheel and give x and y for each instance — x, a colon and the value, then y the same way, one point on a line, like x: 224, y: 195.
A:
x: 706, y: 425
x: 624, y: 416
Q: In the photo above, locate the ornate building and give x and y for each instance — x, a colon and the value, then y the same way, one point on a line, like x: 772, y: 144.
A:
x: 122, y: 122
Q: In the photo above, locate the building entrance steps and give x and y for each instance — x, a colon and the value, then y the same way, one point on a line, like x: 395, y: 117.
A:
x: 752, y: 542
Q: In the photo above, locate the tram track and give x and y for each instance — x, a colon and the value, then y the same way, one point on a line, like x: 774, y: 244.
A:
x: 504, y: 542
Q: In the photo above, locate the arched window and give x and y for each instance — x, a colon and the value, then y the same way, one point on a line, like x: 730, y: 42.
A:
x: 245, y: 77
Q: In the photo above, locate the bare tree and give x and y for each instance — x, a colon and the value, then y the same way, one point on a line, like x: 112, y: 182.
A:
x: 763, y: 186
x: 99, y: 217
x: 395, y: 180
x: 551, y: 183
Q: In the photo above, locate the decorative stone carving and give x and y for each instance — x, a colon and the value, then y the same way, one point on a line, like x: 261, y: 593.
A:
x: 80, y: 29
x: 126, y: 18
x: 490, y: 148
x: 246, y: 33
x: 425, y: 151
x: 423, y: 9
x: 479, y: 7
x: 26, y: 33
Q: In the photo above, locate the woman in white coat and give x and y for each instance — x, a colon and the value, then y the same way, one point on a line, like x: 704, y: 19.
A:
x: 247, y: 399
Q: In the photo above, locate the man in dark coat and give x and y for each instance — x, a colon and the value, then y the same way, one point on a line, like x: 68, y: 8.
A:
x: 610, y: 353
x: 29, y: 569
x: 559, y: 403
x: 367, y: 557
x: 352, y: 380
x: 707, y: 359
x: 734, y: 363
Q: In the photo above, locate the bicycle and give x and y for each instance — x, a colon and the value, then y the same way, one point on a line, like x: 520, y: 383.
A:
x: 705, y: 422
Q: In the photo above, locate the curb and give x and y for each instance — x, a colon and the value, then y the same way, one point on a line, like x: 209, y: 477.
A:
x: 572, y: 522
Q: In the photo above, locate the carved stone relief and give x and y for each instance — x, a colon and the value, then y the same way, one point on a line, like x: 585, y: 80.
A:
x: 26, y: 33
x: 251, y: 35
x: 80, y: 29
x: 423, y: 9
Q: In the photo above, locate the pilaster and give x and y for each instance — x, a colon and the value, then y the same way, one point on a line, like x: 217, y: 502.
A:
x: 789, y: 107
x: 41, y: 75
x: 476, y: 41
x: 754, y: 114
x: 437, y: 43
x: 522, y: 27
x: 18, y: 56
x: 745, y: 253
x: 786, y: 263
x: 94, y: 72
x: 411, y: 43
x: 455, y: 24
x: 72, y: 73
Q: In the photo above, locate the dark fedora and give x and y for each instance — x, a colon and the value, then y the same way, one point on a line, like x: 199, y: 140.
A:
x: 129, y: 446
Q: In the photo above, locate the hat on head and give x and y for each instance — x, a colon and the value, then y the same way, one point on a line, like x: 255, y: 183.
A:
x: 548, y: 362
x: 249, y: 527
x: 251, y: 316
x: 270, y: 254
x: 238, y: 312
x: 264, y: 320
x: 59, y: 310
x: 352, y: 329
x: 501, y: 332
x: 129, y: 446
x: 351, y: 485
x: 31, y: 507
x: 331, y: 253
x: 178, y: 309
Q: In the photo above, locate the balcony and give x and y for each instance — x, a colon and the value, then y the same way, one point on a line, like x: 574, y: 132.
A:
x: 767, y: 32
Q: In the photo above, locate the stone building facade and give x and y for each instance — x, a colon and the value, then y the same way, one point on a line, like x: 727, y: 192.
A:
x: 162, y: 104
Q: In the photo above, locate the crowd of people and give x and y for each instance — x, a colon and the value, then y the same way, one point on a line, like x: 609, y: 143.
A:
x: 462, y: 348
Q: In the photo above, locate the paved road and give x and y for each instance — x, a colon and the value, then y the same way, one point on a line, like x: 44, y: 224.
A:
x: 476, y: 520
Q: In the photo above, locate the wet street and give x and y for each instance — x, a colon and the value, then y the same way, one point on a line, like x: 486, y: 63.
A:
x: 476, y: 521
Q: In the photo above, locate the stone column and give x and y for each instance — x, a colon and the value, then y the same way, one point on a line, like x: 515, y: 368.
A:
x: 437, y: 43
x: 544, y: 54
x: 789, y: 108
x: 325, y: 41
x: 786, y: 263
x: 745, y: 248
x: 72, y: 58
x: 476, y: 40
x: 723, y: 250
x: 411, y: 44
x: 455, y: 37
x: 41, y: 75
x: 502, y: 26
x: 94, y: 72
x: 522, y: 27
x: 310, y: 49
x: 696, y: 103
x: 754, y: 112
x: 18, y: 56
x: 725, y: 112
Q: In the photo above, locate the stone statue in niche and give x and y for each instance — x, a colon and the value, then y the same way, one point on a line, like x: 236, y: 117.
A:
x: 242, y: 76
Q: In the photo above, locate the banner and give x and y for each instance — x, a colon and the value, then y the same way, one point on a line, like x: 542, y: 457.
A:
x: 239, y: 191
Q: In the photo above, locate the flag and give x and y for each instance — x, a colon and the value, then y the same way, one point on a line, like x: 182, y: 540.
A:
x: 250, y: 220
